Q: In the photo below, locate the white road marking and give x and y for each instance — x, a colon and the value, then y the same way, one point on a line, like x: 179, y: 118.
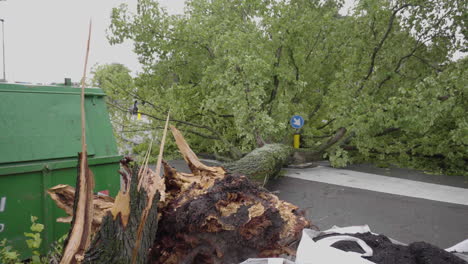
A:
x: 384, y: 184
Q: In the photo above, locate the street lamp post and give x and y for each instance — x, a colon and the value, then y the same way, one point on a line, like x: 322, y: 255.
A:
x: 3, y: 38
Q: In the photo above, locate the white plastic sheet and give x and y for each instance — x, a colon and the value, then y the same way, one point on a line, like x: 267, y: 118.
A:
x: 321, y: 252
x: 461, y: 247
x: 267, y: 261
x: 311, y: 252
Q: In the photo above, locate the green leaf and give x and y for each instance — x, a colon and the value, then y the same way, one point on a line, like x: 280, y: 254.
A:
x: 11, y: 255
x: 37, y: 227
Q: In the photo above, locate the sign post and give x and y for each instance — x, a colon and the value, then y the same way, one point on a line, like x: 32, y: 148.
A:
x: 297, y: 122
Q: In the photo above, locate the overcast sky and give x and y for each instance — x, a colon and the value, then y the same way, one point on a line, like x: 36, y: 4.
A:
x: 45, y: 41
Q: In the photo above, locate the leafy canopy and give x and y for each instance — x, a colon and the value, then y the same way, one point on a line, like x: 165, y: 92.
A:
x: 233, y: 72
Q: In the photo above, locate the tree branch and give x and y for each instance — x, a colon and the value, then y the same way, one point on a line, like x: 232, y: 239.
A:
x: 380, y: 44
x: 437, y: 69
x: 338, y: 135
x: 328, y: 123
x: 296, y: 68
x: 275, y: 79
x: 317, y: 107
x: 314, y: 45
x: 388, y: 131
x: 397, y: 67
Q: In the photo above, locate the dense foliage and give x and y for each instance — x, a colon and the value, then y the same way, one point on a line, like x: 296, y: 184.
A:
x: 233, y: 72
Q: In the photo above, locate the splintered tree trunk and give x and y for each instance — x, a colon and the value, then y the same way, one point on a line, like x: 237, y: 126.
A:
x: 116, y: 239
x: 116, y: 222
x: 63, y: 195
x: 128, y: 231
x: 81, y: 223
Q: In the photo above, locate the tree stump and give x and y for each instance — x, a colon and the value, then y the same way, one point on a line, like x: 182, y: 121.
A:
x: 116, y: 239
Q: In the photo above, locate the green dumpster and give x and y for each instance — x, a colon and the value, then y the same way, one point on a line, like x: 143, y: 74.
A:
x: 40, y: 136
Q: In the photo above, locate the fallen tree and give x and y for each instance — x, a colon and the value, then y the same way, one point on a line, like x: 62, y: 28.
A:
x: 211, y: 215
x: 392, y: 85
x: 266, y: 162
x: 262, y: 163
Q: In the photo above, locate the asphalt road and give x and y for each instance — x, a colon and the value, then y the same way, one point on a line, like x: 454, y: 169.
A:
x: 403, y: 217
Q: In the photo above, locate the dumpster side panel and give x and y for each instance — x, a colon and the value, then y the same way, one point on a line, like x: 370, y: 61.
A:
x: 25, y: 195
x: 20, y: 198
x: 38, y: 150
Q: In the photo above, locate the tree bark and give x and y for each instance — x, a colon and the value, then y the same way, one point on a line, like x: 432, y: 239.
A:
x: 115, y: 242
x: 115, y: 222
x: 262, y: 163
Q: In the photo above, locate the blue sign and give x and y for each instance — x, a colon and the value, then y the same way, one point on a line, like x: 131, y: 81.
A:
x: 297, y: 121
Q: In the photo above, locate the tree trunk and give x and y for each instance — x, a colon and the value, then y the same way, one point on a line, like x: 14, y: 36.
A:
x: 115, y: 222
x: 262, y: 163
x: 115, y: 241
